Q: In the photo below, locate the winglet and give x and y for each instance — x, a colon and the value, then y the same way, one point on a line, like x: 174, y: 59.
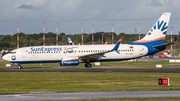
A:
x: 106, y: 42
x: 117, y: 46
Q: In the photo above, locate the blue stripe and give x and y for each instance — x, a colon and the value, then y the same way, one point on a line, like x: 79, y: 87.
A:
x: 58, y: 61
x: 39, y: 61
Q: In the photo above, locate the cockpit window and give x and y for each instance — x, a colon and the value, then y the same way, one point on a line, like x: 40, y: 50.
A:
x: 11, y: 52
x: 4, y: 53
x: 8, y: 53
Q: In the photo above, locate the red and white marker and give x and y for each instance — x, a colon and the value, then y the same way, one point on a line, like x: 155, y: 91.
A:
x: 17, y: 35
x: 43, y: 34
x: 57, y: 34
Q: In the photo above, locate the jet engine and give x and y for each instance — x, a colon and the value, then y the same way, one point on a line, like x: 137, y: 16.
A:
x: 70, y: 61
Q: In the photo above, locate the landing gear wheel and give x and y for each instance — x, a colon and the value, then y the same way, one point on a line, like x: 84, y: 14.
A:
x: 88, y: 65
x: 20, y: 67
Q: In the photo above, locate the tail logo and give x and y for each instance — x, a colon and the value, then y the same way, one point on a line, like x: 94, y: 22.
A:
x: 161, y: 26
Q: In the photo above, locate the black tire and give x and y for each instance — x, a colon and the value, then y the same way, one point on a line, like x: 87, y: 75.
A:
x: 88, y: 65
x: 20, y: 67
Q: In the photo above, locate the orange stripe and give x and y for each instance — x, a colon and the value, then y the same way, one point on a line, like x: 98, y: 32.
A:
x: 72, y: 59
x: 143, y: 41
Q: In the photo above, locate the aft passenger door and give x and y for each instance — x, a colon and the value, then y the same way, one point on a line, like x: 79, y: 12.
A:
x: 141, y: 50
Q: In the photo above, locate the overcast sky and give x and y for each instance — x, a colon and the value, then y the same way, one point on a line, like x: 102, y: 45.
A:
x: 125, y: 14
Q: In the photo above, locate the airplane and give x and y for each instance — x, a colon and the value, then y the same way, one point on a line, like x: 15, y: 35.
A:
x: 68, y: 55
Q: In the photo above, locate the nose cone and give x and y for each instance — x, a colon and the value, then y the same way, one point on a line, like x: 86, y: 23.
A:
x: 6, y: 57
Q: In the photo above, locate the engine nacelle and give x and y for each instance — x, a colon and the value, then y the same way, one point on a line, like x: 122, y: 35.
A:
x: 69, y: 61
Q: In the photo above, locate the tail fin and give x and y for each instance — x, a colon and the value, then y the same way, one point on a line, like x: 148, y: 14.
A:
x: 158, y: 31
x: 70, y: 42
x: 2, y: 53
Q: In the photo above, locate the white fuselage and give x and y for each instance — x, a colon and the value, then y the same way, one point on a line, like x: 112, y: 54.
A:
x: 40, y: 54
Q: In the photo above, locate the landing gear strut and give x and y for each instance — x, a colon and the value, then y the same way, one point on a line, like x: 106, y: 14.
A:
x: 88, y: 65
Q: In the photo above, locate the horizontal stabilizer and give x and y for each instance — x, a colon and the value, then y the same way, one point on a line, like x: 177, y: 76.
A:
x: 162, y: 45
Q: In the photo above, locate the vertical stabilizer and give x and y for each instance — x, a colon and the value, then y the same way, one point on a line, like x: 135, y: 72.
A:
x: 70, y: 42
x: 158, y: 30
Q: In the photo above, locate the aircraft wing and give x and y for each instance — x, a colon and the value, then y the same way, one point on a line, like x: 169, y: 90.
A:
x: 94, y: 55
x: 100, y: 54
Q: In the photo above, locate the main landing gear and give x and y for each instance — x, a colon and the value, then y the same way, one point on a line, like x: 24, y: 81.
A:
x: 20, y: 67
x: 88, y: 65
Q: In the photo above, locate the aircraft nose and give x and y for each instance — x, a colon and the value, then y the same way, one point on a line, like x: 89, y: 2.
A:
x: 6, y: 57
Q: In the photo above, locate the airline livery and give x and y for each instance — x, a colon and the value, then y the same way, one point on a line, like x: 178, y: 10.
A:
x: 68, y: 55
x: 70, y: 42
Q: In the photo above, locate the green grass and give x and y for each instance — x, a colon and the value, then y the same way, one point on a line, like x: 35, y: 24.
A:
x: 138, y: 64
x: 28, y: 82
x: 135, y: 99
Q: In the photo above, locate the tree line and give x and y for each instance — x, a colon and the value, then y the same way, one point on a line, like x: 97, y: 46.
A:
x: 10, y: 41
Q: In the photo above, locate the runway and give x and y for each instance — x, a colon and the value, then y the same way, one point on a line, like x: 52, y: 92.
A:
x: 78, y: 69
x: 89, y: 95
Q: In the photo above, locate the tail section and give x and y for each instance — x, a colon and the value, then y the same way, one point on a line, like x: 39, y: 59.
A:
x: 70, y: 42
x: 157, y: 33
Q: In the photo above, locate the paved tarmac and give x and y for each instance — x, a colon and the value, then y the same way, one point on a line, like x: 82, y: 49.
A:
x: 89, y: 95
x: 78, y: 69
